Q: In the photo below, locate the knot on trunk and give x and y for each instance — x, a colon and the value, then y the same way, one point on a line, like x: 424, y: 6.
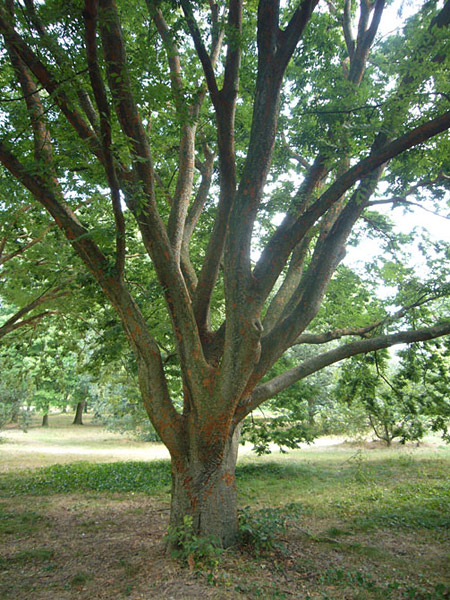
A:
x: 256, y: 328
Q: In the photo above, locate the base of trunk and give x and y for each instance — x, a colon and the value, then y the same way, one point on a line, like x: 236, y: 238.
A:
x: 206, y: 492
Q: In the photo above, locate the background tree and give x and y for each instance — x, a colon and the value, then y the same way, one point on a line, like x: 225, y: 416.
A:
x: 185, y: 113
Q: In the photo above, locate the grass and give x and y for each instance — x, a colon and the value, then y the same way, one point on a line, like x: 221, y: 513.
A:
x: 327, y: 522
x: 63, y: 442
x: 149, y: 478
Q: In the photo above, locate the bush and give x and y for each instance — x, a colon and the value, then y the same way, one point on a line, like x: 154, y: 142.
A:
x: 196, y: 552
x: 260, y: 530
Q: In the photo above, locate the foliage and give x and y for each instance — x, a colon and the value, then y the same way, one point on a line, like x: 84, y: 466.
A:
x: 423, y: 378
x: 12, y: 398
x: 198, y: 553
x: 296, y: 414
x: 119, y: 408
x: 49, y: 368
x: 260, y: 530
x: 401, y: 404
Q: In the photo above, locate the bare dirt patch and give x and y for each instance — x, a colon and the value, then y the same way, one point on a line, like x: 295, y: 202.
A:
x: 95, y: 548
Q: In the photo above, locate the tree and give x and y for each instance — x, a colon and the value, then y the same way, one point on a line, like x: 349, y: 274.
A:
x: 363, y: 382
x: 188, y: 115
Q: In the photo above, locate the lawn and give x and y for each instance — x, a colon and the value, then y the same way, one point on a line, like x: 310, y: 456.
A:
x: 84, y: 514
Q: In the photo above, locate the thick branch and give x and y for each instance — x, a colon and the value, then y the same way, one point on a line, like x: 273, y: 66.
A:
x: 203, y: 55
x: 289, y: 285
x: 316, y: 363
x: 48, y: 82
x: 305, y: 302
x: 225, y: 115
x: 233, y: 59
x: 90, y: 16
x: 289, y: 38
x: 16, y: 321
x: 289, y: 234
x: 365, y: 38
x: 347, y: 26
x: 143, y: 204
x: 274, y: 52
x: 194, y: 213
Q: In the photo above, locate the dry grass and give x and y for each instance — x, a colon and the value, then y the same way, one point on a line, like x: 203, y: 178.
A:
x: 62, y: 443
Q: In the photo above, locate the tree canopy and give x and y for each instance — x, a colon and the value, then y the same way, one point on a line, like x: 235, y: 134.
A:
x: 209, y: 162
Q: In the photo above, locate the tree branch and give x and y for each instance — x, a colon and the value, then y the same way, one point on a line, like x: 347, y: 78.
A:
x: 289, y: 38
x: 10, y: 327
x: 60, y: 58
x: 48, y: 82
x: 347, y: 26
x: 16, y: 321
x: 143, y: 204
x: 306, y: 300
x: 275, y: 386
x: 90, y: 14
x: 5, y: 258
x: 201, y: 51
x: 289, y: 234
x: 225, y: 107
x: 323, y: 338
x: 289, y: 285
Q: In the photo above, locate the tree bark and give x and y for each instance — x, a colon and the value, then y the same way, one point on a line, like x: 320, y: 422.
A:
x: 45, y: 420
x: 78, y: 420
x: 205, y: 490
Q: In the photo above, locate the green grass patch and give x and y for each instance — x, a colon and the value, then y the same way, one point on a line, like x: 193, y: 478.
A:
x: 363, y: 585
x: 79, y: 579
x: 143, y: 477
x: 27, y: 556
x: 12, y: 523
x: 321, y: 523
x: 368, y: 494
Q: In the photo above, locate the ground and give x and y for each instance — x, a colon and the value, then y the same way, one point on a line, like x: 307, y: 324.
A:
x: 362, y: 522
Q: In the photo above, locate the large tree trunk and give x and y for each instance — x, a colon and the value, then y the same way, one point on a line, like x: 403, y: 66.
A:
x: 205, y: 489
x: 45, y: 420
x: 78, y: 420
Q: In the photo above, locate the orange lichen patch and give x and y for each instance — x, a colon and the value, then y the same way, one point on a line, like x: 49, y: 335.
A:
x: 136, y: 331
x: 208, y: 383
x: 228, y: 478
x: 216, y: 428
